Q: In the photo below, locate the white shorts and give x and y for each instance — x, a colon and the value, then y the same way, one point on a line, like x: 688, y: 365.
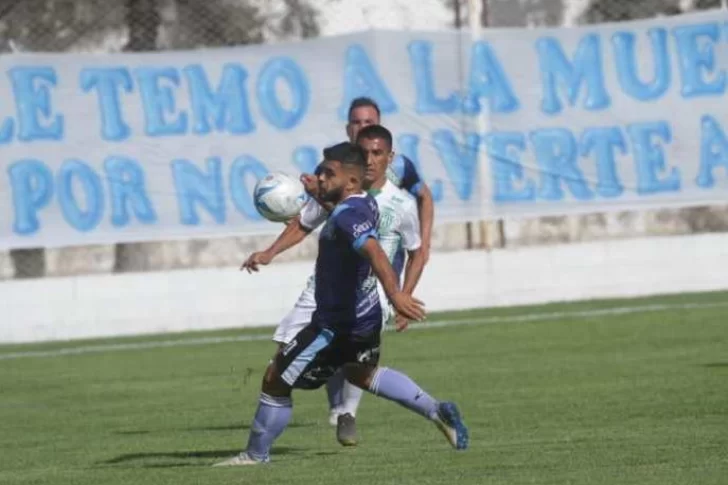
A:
x: 300, y: 315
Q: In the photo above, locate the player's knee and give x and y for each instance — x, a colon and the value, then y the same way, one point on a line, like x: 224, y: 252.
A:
x: 273, y: 384
x: 359, y: 375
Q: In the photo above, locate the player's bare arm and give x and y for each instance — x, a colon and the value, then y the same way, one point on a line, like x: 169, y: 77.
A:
x: 404, y: 303
x: 292, y: 235
x: 412, y: 273
x: 413, y: 270
x: 426, y: 212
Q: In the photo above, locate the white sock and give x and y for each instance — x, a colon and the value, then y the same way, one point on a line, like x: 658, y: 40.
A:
x: 351, y: 398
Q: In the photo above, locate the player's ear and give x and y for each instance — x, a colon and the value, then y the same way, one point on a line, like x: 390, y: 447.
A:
x: 354, y: 181
x: 356, y: 178
x: 349, y: 130
x: 390, y: 158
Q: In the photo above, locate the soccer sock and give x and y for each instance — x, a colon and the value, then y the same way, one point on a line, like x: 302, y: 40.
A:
x: 351, y: 397
x: 335, y: 390
x: 270, y: 420
x: 395, y: 386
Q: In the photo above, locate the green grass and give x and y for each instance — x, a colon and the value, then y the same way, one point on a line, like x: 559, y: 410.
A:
x: 638, y: 398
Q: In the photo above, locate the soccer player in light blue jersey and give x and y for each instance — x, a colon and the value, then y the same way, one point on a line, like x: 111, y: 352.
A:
x: 346, y: 326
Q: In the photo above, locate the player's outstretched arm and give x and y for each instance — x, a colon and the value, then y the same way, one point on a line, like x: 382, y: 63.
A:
x: 426, y: 211
x: 413, y: 270
x: 412, y: 242
x: 292, y: 235
x: 411, y: 181
x: 412, y: 273
x: 404, y: 303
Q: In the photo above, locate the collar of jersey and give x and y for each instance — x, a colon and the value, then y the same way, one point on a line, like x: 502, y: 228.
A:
x: 376, y: 192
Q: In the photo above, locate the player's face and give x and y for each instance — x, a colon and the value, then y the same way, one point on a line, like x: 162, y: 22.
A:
x: 331, y: 181
x: 378, y: 155
x: 361, y: 117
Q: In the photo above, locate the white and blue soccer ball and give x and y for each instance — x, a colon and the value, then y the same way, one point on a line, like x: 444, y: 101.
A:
x: 279, y: 197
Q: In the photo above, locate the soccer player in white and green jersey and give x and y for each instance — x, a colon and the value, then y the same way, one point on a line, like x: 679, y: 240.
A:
x: 399, y: 230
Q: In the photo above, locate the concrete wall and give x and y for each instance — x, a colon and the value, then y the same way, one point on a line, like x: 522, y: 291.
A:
x: 194, y: 299
x: 453, y: 237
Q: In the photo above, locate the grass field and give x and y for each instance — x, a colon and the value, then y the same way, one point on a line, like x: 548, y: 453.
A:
x: 580, y: 394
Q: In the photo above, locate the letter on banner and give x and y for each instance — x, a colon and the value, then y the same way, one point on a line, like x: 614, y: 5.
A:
x: 127, y: 187
x: 194, y: 186
x: 650, y: 158
x: 108, y: 82
x: 33, y: 100
x: 32, y: 185
x: 82, y: 209
x: 556, y: 154
x: 504, y: 149
x: 585, y: 69
x: 361, y: 79
x: 420, y: 53
x: 695, y: 46
x: 287, y: 70
x: 158, y: 101
x: 488, y: 80
x: 409, y: 146
x: 461, y: 160
x: 627, y: 60
x: 226, y: 107
x: 713, y: 152
x: 603, y: 142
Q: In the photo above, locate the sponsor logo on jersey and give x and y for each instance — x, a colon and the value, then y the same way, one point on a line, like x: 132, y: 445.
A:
x: 360, y: 229
x: 386, y: 220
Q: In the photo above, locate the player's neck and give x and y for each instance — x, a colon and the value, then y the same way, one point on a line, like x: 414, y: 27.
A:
x: 351, y: 193
x: 377, y: 185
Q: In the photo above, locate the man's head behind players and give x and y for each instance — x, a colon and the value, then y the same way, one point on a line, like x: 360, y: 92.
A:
x: 341, y: 174
x: 376, y: 143
x: 363, y: 112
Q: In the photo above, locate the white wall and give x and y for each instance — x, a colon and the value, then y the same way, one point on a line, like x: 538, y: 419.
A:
x: 128, y: 304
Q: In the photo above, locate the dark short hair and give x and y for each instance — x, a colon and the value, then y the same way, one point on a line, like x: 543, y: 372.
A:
x: 375, y: 131
x: 363, y: 102
x: 346, y: 153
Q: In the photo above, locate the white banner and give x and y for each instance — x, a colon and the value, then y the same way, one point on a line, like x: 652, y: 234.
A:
x: 132, y: 147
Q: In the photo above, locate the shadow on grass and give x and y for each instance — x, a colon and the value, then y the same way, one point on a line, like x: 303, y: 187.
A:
x: 243, y: 427
x: 716, y: 364
x: 173, y: 459
x: 228, y: 427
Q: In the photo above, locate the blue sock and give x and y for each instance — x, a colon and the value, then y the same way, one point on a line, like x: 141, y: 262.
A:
x: 335, y: 389
x: 270, y: 420
x: 395, y: 386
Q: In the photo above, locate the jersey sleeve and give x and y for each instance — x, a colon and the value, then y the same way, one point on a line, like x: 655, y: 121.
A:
x: 356, y: 227
x: 410, y: 228
x: 312, y: 215
x: 407, y: 175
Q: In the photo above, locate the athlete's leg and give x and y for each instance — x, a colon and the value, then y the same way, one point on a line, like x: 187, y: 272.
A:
x: 400, y: 388
x: 295, y: 365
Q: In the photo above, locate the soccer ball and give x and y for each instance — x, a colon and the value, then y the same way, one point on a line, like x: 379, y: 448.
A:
x: 279, y: 197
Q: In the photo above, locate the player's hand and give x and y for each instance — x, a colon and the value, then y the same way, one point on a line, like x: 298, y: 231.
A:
x: 256, y: 259
x: 400, y: 322
x: 310, y: 184
x: 408, y: 306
